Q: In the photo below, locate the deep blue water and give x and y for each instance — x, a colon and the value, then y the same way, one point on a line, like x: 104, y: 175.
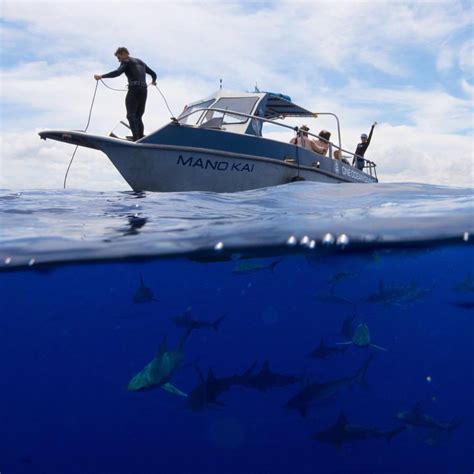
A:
x: 73, y: 333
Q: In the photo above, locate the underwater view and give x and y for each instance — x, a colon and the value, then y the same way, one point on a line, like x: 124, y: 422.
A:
x: 305, y: 328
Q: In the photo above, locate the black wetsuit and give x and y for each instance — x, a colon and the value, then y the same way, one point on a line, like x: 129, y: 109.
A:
x: 361, y: 149
x: 135, y: 70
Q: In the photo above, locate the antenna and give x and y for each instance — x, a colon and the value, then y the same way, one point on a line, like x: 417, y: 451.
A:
x: 220, y: 84
x: 256, y: 88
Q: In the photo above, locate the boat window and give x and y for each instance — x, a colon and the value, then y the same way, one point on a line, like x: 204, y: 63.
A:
x: 237, y: 104
x: 194, y: 118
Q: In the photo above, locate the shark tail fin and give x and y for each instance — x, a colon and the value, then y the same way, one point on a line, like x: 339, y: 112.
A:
x: 217, y: 322
x: 389, y: 435
x: 454, y: 424
x: 273, y: 265
x: 341, y: 420
x: 360, y: 375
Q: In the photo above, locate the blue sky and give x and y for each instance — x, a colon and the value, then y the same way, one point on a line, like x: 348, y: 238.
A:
x: 407, y: 65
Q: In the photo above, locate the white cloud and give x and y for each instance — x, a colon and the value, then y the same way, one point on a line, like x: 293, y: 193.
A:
x: 466, y: 57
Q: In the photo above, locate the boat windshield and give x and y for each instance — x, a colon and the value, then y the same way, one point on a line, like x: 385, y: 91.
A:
x: 238, y: 104
x: 194, y: 118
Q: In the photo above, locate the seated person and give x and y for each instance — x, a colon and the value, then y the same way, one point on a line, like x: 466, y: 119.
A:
x: 302, y: 138
x: 322, y: 144
x: 338, y: 156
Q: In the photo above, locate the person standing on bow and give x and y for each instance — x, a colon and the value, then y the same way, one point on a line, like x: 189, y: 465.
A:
x: 135, y: 70
x: 362, y: 148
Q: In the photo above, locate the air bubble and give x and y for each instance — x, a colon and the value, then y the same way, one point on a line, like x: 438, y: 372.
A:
x: 219, y: 246
x: 8, y: 260
x: 31, y: 262
x: 291, y: 240
x: 328, y: 239
x: 304, y: 240
x: 465, y: 236
x: 342, y: 240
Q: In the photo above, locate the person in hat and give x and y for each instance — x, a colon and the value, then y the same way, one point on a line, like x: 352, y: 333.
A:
x: 302, y: 138
x: 135, y: 70
x: 362, y: 148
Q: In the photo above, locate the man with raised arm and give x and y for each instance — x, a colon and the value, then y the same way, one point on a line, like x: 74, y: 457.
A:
x: 362, y: 148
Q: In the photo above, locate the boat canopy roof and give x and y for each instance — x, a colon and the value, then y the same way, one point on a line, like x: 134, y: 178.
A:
x: 272, y: 104
x: 279, y: 105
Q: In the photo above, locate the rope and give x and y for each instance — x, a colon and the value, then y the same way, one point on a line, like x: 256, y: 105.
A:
x: 85, y: 130
x: 164, y: 98
x: 90, y: 114
x: 111, y: 88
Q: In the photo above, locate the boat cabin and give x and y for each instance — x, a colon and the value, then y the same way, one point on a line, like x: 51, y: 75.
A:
x: 212, y: 111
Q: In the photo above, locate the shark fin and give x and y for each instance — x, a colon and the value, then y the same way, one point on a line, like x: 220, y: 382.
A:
x: 184, y: 338
x: 217, y: 322
x: 379, y: 348
x: 453, y: 424
x: 341, y: 420
x: 249, y: 371
x: 389, y: 435
x: 210, y: 375
x: 303, y: 410
x: 172, y: 389
x: 417, y: 410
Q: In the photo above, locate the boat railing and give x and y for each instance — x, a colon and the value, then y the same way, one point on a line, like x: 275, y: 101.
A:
x: 370, y: 166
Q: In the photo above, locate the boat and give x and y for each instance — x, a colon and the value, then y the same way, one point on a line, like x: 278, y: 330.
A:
x: 217, y: 144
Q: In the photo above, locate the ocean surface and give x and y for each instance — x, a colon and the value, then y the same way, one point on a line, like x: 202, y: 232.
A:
x: 305, y: 328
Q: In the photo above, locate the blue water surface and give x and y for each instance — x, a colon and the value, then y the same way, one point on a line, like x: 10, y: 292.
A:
x: 91, y: 283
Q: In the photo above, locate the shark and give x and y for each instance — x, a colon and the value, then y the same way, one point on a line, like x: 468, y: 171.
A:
x: 361, y: 338
x: 340, y: 276
x: 143, y: 294
x: 323, y: 351
x: 466, y: 285
x: 187, y: 321
x: 247, y: 267
x: 331, y: 297
x: 343, y: 432
x: 469, y: 305
x: 158, y: 372
x: 317, y: 392
x: 416, y: 417
x: 397, y: 295
x: 208, y: 390
x: 265, y: 379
